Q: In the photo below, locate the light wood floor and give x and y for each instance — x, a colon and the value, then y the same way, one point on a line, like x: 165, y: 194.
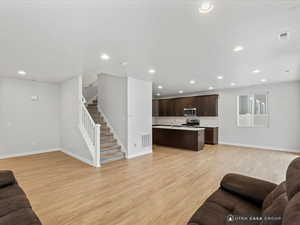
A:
x: 164, y: 188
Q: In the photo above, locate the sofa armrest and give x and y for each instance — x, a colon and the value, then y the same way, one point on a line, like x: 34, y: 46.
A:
x: 6, y: 178
x: 252, y: 189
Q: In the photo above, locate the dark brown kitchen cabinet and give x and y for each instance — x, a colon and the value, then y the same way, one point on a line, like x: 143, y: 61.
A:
x: 182, y: 139
x: 206, y: 105
x: 166, y: 107
x: 155, y: 107
x: 181, y: 103
x: 211, y: 135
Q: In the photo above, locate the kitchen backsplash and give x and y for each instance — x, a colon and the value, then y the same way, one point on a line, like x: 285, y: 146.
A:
x: 204, y: 121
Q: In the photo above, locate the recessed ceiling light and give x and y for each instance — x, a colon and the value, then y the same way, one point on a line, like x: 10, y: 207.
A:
x: 180, y: 92
x: 192, y: 82
x: 256, y: 71
x: 238, y: 48
x: 160, y: 87
x: 210, y: 88
x: 232, y: 84
x: 158, y: 94
x: 152, y: 71
x: 124, y: 63
x: 206, y: 7
x: 22, y: 72
x: 263, y: 80
x: 105, y: 57
x: 220, y: 77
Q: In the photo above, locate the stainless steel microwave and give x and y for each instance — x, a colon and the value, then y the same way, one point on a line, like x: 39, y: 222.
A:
x: 189, y: 112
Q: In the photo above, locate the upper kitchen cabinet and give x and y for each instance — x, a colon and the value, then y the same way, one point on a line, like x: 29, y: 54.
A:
x: 155, y: 107
x: 206, y: 105
x: 166, y: 107
x: 182, y: 103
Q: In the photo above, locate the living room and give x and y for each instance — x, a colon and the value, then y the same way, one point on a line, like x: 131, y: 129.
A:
x: 150, y: 112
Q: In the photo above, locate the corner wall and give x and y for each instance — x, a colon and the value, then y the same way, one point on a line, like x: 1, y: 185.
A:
x: 112, y: 99
x: 72, y: 141
x: 139, y: 116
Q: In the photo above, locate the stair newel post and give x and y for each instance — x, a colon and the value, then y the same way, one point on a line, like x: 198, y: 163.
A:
x: 97, y: 145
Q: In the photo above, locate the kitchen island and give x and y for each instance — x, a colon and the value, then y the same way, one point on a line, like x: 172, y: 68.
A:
x: 190, y: 138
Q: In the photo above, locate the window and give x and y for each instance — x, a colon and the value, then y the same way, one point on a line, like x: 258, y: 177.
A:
x: 252, y: 110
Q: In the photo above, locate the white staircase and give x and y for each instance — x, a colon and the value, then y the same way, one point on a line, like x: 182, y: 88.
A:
x: 110, y: 150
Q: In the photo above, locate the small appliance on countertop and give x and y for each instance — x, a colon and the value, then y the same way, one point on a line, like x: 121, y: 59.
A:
x: 192, y: 122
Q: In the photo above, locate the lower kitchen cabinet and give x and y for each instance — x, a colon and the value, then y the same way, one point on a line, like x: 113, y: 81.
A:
x: 211, y: 135
x: 183, y: 139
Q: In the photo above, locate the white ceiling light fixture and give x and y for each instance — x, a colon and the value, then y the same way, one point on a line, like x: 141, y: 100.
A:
x: 180, y: 92
x: 158, y: 94
x: 220, y: 77
x: 211, y: 88
x: 152, y: 71
x: 206, y: 7
x: 105, y: 57
x: 238, y: 48
x: 256, y: 71
x: 232, y: 84
x: 263, y: 80
x: 124, y: 63
x: 192, y: 82
x: 22, y: 72
x: 160, y: 87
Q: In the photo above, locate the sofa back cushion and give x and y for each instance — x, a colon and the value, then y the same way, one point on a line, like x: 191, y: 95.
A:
x: 293, y: 178
x: 6, y: 178
x: 292, y: 211
x: 274, y: 205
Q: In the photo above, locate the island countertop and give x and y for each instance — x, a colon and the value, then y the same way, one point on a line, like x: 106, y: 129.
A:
x: 177, y: 127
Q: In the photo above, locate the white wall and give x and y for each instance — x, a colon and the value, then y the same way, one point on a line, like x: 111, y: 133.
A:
x: 139, y: 115
x: 112, y: 99
x: 284, y: 130
x: 28, y: 126
x: 127, y: 106
x: 91, y: 91
x: 72, y: 141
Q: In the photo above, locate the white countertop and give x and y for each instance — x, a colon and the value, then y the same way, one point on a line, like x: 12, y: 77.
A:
x: 170, y: 127
x: 202, y: 126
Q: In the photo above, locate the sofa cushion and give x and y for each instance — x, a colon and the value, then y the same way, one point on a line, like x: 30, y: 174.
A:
x: 291, y: 214
x: 293, y: 178
x: 20, y: 217
x: 278, y: 191
x: 10, y: 191
x: 219, y: 206
x: 273, y: 215
x: 12, y: 204
x: 249, y: 188
x: 6, y: 178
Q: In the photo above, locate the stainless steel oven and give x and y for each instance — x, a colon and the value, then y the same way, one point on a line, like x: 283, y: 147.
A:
x: 190, y: 112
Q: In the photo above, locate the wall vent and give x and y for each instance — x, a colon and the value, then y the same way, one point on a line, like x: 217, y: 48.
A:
x: 146, y: 140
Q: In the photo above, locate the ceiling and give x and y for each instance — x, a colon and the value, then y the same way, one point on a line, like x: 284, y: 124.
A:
x: 58, y: 39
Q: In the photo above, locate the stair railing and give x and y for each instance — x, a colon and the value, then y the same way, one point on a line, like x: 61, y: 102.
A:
x: 91, y: 132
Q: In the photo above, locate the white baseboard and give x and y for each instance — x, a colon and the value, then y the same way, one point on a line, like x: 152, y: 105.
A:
x: 87, y: 161
x: 262, y: 147
x: 6, y: 156
x: 138, y: 154
x: 23, y: 154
